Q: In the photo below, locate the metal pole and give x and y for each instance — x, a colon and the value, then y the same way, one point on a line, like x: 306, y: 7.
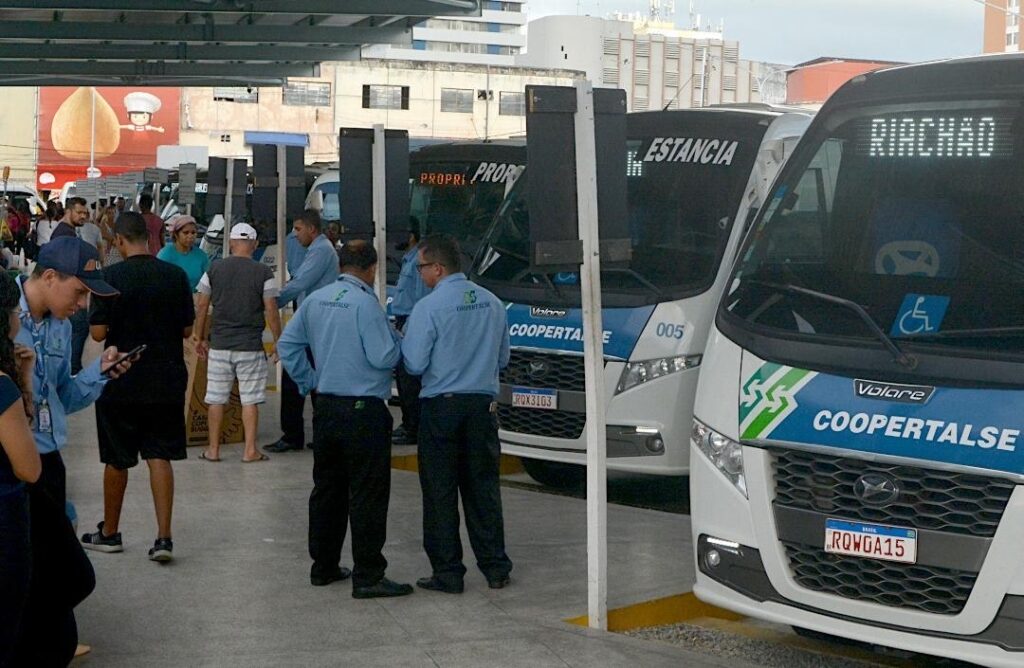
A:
x: 228, y: 198
x: 380, y: 212
x: 703, y: 74
x: 282, y: 214
x: 593, y: 358
x: 91, y: 172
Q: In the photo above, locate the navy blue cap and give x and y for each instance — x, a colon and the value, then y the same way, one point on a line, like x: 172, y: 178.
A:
x: 73, y: 257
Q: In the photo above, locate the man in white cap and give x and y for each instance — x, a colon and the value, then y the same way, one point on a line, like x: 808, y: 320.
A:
x: 141, y: 107
x: 244, y: 297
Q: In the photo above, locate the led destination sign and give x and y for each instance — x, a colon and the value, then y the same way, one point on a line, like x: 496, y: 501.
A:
x: 938, y: 135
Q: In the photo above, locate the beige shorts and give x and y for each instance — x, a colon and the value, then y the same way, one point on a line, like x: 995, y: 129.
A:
x: 249, y: 367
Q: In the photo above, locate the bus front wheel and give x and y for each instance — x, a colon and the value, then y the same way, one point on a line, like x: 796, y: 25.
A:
x: 555, y: 474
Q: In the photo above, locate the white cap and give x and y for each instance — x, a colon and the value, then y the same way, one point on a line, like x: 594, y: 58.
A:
x: 141, y: 103
x: 243, y: 231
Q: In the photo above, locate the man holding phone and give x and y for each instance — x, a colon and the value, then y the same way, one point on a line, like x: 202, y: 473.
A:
x: 142, y: 413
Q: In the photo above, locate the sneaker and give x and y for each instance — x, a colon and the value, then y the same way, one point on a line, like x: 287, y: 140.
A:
x: 499, y: 582
x: 101, y: 543
x: 161, y: 551
x: 383, y: 588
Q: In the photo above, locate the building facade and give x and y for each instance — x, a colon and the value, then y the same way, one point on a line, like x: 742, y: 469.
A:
x: 494, y: 38
x: 429, y: 100
x: 658, y: 66
x: 810, y: 84
x: 1002, y: 26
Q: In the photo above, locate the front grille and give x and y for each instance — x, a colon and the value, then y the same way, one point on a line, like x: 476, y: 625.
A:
x: 929, y: 499
x: 939, y: 591
x: 539, y: 422
x: 559, y: 372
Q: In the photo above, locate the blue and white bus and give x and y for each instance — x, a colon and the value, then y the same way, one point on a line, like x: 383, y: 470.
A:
x: 857, y: 462
x: 692, y: 178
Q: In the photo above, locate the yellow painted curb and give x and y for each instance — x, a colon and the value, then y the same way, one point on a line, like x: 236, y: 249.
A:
x: 660, y: 612
x: 509, y: 465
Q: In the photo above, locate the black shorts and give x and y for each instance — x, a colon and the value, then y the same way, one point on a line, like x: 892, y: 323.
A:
x: 128, y: 430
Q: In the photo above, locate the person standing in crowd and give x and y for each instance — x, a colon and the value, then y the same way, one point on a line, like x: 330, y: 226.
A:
x: 141, y: 414
x: 66, y: 273
x: 75, y: 216
x: 19, y: 464
x: 408, y: 292
x: 75, y: 213
x: 354, y: 350
x: 244, y: 297
x: 90, y: 233
x: 318, y: 267
x: 46, y: 224
x: 111, y: 255
x: 183, y: 252
x: 154, y: 224
x: 458, y: 450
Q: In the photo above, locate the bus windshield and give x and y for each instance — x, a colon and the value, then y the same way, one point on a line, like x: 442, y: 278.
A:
x: 913, y: 212
x: 331, y: 211
x: 684, y: 183
x: 458, y: 198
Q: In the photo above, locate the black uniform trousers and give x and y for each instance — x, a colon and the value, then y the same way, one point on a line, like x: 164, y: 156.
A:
x: 409, y: 387
x: 293, y: 404
x: 459, y: 454
x: 351, y: 484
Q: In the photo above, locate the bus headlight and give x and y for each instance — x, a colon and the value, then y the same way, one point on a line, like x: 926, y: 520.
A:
x: 637, y: 373
x: 725, y: 453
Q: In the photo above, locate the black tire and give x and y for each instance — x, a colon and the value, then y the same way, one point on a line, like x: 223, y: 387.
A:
x: 556, y: 474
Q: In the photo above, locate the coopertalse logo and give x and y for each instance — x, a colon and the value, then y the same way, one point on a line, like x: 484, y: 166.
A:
x: 545, y: 312
x: 902, y: 394
x: 769, y: 397
x: 692, y: 150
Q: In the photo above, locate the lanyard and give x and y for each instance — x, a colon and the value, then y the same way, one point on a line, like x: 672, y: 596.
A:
x: 40, y: 333
x: 345, y: 278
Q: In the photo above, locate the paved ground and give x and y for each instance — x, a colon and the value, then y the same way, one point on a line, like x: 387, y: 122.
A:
x: 238, y: 591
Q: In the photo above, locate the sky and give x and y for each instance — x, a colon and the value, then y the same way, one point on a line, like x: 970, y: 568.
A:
x: 794, y: 31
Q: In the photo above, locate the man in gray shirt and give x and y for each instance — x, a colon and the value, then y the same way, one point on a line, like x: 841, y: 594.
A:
x: 244, y: 297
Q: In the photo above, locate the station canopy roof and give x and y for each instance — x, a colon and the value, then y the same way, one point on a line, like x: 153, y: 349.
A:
x: 197, y: 42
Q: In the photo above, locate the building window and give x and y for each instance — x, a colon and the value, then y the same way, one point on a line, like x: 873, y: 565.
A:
x: 306, y: 94
x: 385, y: 97
x: 512, y: 104
x: 1012, y: 38
x: 457, y: 100
x: 225, y: 139
x: 236, y: 94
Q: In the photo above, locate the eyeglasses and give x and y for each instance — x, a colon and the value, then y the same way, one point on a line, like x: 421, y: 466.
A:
x: 421, y: 266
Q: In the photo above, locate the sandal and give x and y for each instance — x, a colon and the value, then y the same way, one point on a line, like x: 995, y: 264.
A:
x: 205, y: 458
x: 262, y: 458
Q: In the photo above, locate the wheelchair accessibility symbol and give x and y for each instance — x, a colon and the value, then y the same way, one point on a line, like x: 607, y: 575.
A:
x: 920, y: 314
x: 908, y: 258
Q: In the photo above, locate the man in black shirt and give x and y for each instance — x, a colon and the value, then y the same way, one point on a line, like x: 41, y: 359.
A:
x: 142, y: 413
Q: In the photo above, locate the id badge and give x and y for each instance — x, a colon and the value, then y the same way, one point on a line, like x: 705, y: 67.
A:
x: 43, y: 422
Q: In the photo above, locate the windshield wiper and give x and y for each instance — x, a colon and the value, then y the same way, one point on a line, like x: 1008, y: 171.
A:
x: 902, y: 358
x: 972, y: 333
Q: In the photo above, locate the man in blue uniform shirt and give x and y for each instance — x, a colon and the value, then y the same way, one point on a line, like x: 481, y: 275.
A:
x: 457, y: 339
x: 312, y: 264
x: 66, y: 273
x: 354, y: 350
x: 409, y: 290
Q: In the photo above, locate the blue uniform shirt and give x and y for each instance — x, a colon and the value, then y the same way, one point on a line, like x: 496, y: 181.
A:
x: 410, y: 288
x: 318, y: 268
x: 354, y: 347
x: 52, y: 381
x: 294, y: 253
x: 457, y: 339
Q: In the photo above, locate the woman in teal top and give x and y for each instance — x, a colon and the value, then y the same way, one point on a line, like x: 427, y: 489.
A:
x: 183, y: 252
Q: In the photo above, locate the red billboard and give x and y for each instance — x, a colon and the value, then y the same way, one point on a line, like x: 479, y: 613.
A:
x: 122, y: 135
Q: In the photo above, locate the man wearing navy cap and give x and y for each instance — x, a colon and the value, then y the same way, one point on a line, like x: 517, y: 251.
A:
x: 66, y: 273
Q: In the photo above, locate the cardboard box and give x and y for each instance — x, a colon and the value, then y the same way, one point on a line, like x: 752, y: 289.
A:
x: 197, y: 428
